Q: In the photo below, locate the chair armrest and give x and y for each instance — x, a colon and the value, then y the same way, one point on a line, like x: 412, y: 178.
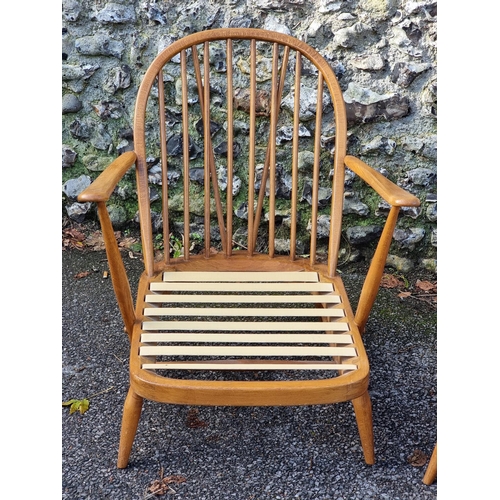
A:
x: 390, y: 192
x: 99, y: 192
x: 396, y: 197
x: 103, y: 186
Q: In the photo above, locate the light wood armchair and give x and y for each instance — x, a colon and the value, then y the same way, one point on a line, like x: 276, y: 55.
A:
x: 251, y: 324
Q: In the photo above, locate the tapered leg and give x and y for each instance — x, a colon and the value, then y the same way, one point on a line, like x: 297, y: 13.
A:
x: 130, y: 420
x: 363, y: 411
x: 431, y: 471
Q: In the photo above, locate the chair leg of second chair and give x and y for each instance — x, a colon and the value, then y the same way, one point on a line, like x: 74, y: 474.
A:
x: 431, y: 471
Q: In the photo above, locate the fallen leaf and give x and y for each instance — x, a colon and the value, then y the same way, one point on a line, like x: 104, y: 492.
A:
x: 192, y: 420
x: 390, y: 281
x: 161, y: 486
x: 417, y: 458
x: 81, y: 405
x: 425, y: 285
x: 403, y: 295
x: 83, y: 274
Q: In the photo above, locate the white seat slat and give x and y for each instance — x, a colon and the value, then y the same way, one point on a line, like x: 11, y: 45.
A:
x: 240, y: 326
x: 243, y: 312
x: 248, y: 338
x: 241, y: 287
x: 228, y: 365
x: 244, y: 299
x: 249, y: 277
x: 222, y: 350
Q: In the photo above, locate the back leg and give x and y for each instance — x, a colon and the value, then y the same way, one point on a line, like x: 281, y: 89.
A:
x: 363, y: 411
x: 130, y: 421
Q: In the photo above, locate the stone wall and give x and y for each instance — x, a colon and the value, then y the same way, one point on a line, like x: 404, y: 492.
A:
x: 383, y: 52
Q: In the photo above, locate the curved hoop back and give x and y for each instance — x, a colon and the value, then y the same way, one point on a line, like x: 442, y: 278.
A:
x: 231, y: 111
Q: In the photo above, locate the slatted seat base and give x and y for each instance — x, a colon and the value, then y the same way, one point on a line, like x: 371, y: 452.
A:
x: 241, y: 321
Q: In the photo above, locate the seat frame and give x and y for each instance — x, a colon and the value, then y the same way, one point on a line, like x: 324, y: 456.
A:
x: 146, y: 381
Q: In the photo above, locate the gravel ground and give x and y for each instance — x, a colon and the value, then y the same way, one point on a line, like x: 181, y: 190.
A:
x: 243, y: 453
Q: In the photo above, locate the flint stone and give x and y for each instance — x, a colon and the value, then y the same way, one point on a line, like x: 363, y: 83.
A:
x: 349, y: 37
x: 322, y: 226
x: 108, y: 109
x: 73, y: 187
x: 117, y: 215
x: 379, y: 9
x: 431, y: 212
x: 403, y: 74
x: 154, y: 13
x: 421, y: 176
x: 327, y: 6
x: 358, y: 235
x: 71, y: 104
x: 388, y: 110
x: 84, y: 71
x: 116, y: 14
x: 401, y: 264
x: 373, y: 62
x: 399, y: 39
x: 324, y: 195
x: 101, y: 139
x: 423, y: 146
x: 379, y: 145
x: 434, y: 238
x: 77, y: 211
x: 79, y: 130
x: 174, y: 147
x: 99, y: 44
x: 354, y: 206
x: 308, y: 102
x: 408, y: 238
x: 118, y: 78
x: 71, y: 10
x: 68, y: 156
x: 285, y: 134
x: 429, y: 264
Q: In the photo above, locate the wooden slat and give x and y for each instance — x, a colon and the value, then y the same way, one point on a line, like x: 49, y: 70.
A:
x: 158, y: 286
x: 240, y: 326
x: 222, y: 350
x: 249, y: 338
x: 231, y: 365
x: 243, y: 299
x: 274, y: 312
x: 294, y: 276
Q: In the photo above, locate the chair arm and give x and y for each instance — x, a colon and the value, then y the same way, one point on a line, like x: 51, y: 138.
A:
x: 99, y: 192
x: 397, y: 198
x: 390, y: 192
x: 103, y: 186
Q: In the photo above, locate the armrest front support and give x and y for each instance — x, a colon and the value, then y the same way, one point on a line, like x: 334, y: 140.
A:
x: 99, y: 192
x: 397, y: 198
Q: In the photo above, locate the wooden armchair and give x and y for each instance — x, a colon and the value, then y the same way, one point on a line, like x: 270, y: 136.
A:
x: 235, y: 130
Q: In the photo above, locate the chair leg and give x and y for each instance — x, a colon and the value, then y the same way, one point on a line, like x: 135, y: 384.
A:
x: 363, y: 411
x: 130, y: 421
x: 431, y: 471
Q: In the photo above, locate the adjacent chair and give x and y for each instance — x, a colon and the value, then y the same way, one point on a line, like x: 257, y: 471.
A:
x: 239, y: 147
